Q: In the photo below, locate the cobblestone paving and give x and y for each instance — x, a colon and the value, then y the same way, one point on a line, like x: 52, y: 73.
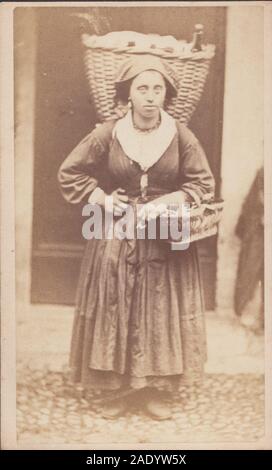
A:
x: 225, y: 408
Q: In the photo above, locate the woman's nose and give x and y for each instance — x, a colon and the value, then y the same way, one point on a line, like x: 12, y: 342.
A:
x: 150, y: 96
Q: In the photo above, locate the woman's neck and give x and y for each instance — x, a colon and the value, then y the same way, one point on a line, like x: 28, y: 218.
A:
x: 144, y: 123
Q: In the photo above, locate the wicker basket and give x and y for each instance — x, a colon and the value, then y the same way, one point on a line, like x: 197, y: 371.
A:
x: 102, y: 62
x: 204, y: 221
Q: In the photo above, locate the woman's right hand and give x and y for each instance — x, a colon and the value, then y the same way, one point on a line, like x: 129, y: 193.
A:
x: 118, y: 203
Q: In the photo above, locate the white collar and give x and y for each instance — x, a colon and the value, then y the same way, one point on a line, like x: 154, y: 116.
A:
x: 145, y: 149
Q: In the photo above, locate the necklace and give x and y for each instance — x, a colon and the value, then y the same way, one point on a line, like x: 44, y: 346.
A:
x: 150, y: 129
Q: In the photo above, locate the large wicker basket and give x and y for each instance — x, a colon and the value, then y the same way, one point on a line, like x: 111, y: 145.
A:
x: 105, y: 54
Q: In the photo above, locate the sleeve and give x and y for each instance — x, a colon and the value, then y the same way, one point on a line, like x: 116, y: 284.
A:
x: 197, y: 180
x: 78, y: 175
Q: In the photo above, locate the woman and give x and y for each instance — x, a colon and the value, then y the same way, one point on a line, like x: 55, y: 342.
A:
x: 139, y: 311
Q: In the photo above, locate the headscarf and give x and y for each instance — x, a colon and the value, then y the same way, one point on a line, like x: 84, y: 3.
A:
x: 138, y: 64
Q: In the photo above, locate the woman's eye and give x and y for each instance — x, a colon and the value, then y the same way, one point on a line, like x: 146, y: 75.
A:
x: 144, y: 89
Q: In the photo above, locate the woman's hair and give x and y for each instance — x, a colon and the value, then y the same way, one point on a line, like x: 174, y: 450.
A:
x: 123, y: 90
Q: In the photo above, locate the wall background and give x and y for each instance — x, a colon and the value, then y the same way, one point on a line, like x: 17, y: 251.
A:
x: 243, y: 133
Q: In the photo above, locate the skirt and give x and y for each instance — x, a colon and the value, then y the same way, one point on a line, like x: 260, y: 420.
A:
x: 139, y: 317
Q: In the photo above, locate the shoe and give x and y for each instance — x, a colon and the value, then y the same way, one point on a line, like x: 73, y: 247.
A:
x: 157, y: 408
x: 114, y: 409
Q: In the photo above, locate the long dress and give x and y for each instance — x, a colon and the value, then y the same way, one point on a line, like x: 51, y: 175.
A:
x: 139, y: 316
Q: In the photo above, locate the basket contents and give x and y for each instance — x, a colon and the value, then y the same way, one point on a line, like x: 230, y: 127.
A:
x: 203, y: 222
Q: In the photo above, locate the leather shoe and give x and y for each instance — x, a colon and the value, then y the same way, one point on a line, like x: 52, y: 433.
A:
x: 114, y: 409
x: 157, y: 408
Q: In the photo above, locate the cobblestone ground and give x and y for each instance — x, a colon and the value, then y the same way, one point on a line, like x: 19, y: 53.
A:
x: 225, y: 408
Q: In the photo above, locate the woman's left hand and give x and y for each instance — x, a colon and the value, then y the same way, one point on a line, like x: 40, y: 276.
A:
x: 151, y: 210
x: 159, y: 206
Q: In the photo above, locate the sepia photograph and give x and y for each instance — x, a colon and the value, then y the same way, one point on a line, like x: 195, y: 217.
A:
x: 136, y: 276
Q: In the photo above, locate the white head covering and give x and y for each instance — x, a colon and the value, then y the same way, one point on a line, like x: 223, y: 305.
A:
x: 145, y: 149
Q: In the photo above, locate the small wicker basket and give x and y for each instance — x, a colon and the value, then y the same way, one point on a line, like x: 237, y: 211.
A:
x: 105, y: 54
x: 204, y: 221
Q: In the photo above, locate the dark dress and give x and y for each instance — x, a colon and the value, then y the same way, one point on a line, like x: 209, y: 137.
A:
x: 139, y: 317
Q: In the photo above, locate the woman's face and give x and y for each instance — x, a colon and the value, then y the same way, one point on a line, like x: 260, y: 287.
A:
x: 147, y: 93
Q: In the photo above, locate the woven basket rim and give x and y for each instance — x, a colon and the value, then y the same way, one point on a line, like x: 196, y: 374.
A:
x: 207, y: 52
